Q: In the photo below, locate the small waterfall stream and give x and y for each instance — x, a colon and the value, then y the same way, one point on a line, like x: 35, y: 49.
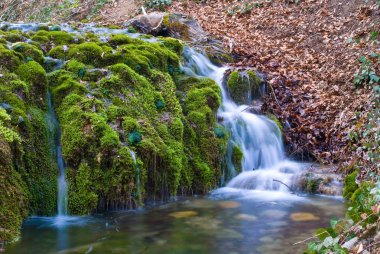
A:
x: 55, y: 131
x: 133, y: 154
x: 258, y: 137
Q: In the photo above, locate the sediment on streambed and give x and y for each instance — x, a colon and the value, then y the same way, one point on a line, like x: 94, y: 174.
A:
x: 111, y: 96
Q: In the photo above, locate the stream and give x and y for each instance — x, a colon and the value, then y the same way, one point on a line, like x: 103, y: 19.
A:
x: 214, y: 224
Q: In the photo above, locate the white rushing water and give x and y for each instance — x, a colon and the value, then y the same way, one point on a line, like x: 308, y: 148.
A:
x: 55, y: 131
x: 133, y: 154
x: 258, y: 137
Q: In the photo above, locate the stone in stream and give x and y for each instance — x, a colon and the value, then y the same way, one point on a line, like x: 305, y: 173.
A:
x: 273, y: 214
x: 303, y: 217
x: 246, y: 217
x: 183, y: 214
x: 229, y: 204
x: 229, y: 233
x: 205, y: 223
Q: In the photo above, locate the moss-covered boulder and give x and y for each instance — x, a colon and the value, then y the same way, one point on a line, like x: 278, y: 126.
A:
x: 244, y: 86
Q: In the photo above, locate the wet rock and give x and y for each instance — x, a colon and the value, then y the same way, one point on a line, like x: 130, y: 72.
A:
x: 246, y: 217
x: 230, y: 234
x: 278, y: 224
x: 266, y: 239
x: 148, y: 24
x: 205, y: 223
x: 181, y: 27
x: 229, y: 204
x: 274, y: 214
x: 320, y: 180
x: 303, y: 217
x: 183, y: 214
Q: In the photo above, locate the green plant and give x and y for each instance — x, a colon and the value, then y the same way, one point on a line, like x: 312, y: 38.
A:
x: 157, y: 4
x: 366, y: 73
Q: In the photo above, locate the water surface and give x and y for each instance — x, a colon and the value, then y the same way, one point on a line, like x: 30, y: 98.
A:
x: 225, y: 222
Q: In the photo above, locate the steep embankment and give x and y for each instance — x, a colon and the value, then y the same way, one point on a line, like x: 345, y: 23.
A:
x: 310, y: 50
x: 111, y: 98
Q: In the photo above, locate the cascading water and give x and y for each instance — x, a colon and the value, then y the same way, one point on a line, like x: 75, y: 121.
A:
x: 55, y: 131
x: 258, y: 137
x: 133, y: 154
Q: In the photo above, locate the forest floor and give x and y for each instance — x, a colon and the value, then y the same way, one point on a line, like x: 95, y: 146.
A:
x: 310, y: 52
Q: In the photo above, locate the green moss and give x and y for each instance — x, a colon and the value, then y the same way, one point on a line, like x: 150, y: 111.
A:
x: 9, y: 59
x: 172, y: 44
x: 29, y: 52
x: 14, y: 36
x: 276, y: 121
x: 35, y: 76
x: 76, y: 67
x: 120, y: 39
x: 40, y: 39
x: 350, y: 185
x: 14, y: 198
x: 110, y: 139
x: 87, y: 53
x: 243, y: 86
x: 57, y: 52
x: 236, y: 157
x: 310, y: 183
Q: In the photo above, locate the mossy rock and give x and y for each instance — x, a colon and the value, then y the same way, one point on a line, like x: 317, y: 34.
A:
x: 350, y: 185
x: 120, y: 39
x: 276, y: 121
x: 236, y: 158
x: 29, y: 52
x: 35, y: 76
x: 87, y: 53
x: 58, y: 52
x: 244, y: 86
x: 9, y: 59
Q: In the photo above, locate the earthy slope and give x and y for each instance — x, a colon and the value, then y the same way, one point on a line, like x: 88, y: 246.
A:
x: 310, y: 52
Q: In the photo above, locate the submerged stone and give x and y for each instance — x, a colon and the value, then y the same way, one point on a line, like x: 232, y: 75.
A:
x: 303, y: 217
x: 183, y: 214
x: 229, y: 204
x: 246, y: 217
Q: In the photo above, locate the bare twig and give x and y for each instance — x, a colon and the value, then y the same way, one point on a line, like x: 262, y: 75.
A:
x: 369, y: 246
x: 314, y: 236
x: 274, y: 95
x: 275, y: 180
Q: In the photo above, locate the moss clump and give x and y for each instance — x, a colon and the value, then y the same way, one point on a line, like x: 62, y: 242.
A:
x: 350, y: 185
x: 9, y: 59
x: 310, y: 183
x: 244, y: 86
x: 35, y: 76
x: 58, y: 52
x: 14, y: 197
x: 29, y: 52
x: 120, y: 39
x: 276, y: 121
x: 173, y: 44
x: 87, y: 53
x: 236, y: 158
x: 82, y: 198
x: 76, y: 67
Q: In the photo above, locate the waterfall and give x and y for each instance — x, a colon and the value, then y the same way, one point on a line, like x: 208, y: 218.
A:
x: 258, y: 137
x: 133, y: 154
x: 55, y: 132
